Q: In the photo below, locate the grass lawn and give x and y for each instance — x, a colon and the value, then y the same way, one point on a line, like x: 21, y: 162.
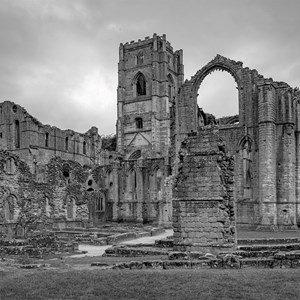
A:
x: 150, y: 284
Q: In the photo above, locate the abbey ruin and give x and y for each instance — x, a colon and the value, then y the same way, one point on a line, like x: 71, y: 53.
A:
x: 174, y: 165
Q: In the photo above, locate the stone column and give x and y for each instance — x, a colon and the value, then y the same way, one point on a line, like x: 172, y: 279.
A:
x: 267, y: 156
x: 139, y: 192
x: 115, y: 192
x: 297, y: 168
x: 286, y: 160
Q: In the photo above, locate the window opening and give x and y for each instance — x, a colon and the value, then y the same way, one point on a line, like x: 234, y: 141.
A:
x: 139, y: 123
x: 47, y: 139
x: 17, y: 134
x: 70, y: 208
x: 84, y: 147
x: 100, y: 202
x: 140, y: 59
x: 218, y: 96
x: 67, y: 144
x: 141, y: 85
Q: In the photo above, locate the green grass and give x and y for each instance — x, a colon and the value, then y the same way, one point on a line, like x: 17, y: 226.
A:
x: 151, y: 284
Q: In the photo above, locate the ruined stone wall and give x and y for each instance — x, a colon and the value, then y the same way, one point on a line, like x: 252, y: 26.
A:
x: 58, y: 197
x: 263, y: 140
x: 203, y: 203
x: 36, y: 143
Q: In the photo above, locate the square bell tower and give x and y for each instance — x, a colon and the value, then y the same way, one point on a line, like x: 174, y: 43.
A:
x: 149, y: 75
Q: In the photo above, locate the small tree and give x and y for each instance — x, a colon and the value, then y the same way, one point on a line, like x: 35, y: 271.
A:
x: 109, y: 142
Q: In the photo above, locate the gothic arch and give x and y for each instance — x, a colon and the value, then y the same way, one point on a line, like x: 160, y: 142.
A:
x: 135, y: 155
x: 139, y: 83
x: 71, y: 207
x: 244, y: 139
x: 218, y: 63
x: 131, y: 182
x: 10, y: 207
x: 171, y: 87
x: 246, y: 145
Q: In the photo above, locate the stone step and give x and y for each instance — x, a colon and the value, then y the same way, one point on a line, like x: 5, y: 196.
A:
x: 270, y: 247
x: 268, y: 241
x: 208, y: 264
x: 123, y: 250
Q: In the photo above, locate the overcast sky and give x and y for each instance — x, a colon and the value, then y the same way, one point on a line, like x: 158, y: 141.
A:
x: 58, y: 58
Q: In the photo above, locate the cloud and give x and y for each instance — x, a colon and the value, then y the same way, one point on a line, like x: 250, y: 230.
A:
x: 58, y: 58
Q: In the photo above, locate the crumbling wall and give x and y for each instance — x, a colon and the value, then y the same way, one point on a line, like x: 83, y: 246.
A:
x: 203, y: 203
x: 263, y: 138
x: 37, y: 143
x: 58, y: 197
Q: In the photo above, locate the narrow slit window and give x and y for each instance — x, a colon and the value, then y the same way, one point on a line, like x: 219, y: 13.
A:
x: 139, y: 123
x: 84, y: 147
x: 47, y: 139
x: 67, y: 144
x: 17, y: 134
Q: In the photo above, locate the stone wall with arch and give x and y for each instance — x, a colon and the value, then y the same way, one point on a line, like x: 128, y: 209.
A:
x: 268, y: 197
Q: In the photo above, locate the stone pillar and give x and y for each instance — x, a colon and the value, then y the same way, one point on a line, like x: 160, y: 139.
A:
x: 115, y: 193
x: 139, y: 193
x: 297, y: 168
x: 267, y: 156
x: 121, y: 98
x: 286, y: 160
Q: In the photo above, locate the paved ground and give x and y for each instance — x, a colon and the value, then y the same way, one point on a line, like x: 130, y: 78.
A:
x: 149, y: 239
x: 99, y: 250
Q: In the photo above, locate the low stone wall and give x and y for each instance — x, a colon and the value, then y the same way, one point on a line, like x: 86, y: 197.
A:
x: 36, y: 246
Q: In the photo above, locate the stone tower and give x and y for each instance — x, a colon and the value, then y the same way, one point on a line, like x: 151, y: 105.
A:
x: 150, y: 73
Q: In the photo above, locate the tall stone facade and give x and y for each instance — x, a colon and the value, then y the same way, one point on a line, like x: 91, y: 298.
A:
x: 150, y: 73
x: 263, y: 139
x: 172, y: 158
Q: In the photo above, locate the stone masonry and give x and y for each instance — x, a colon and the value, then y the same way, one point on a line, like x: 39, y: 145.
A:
x: 171, y: 156
x: 203, y: 203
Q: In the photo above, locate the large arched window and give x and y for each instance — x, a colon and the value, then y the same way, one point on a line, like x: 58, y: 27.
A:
x: 17, y: 134
x: 141, y: 85
x: 218, y: 96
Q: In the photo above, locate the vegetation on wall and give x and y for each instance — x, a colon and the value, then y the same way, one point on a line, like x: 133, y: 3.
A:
x: 109, y: 142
